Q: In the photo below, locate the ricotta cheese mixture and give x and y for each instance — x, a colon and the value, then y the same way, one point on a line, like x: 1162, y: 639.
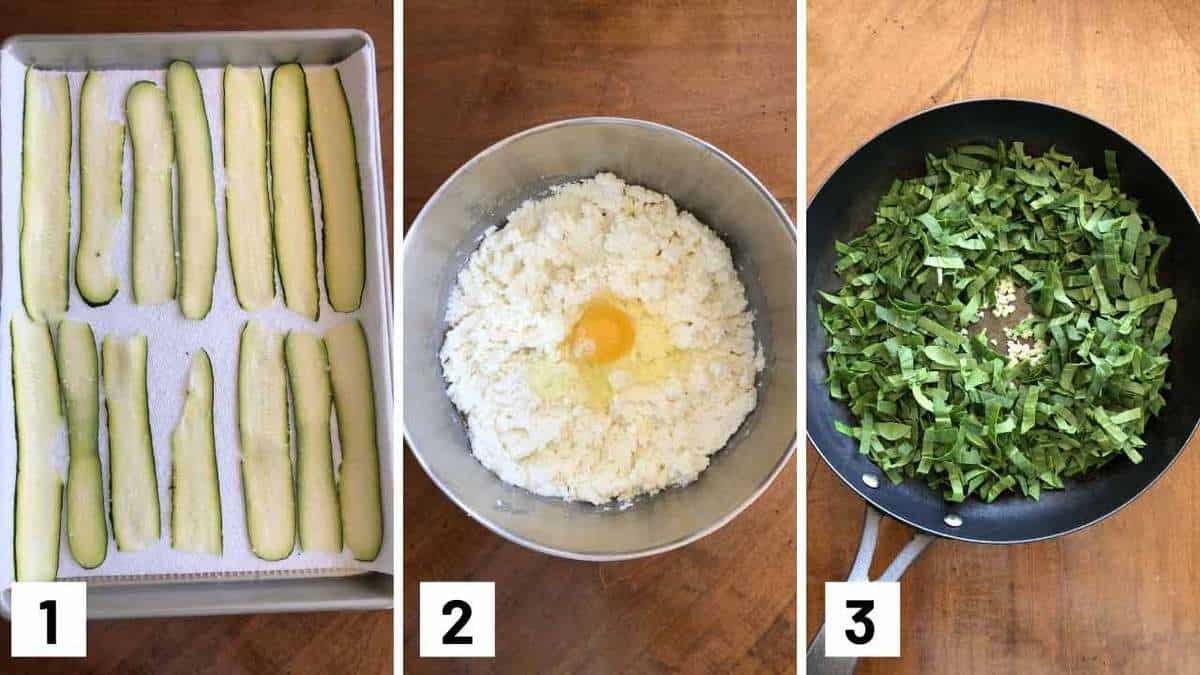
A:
x: 600, y: 344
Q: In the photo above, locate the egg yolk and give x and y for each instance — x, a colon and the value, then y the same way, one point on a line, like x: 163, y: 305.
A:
x: 603, y: 334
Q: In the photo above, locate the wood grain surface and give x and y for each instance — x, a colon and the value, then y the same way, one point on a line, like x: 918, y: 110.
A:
x: 476, y: 72
x: 344, y: 642
x: 1116, y: 598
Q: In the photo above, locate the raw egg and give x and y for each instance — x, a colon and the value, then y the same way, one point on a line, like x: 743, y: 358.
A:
x: 603, y: 334
x: 611, y: 336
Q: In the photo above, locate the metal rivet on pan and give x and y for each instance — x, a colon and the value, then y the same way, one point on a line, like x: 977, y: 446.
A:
x: 871, y: 480
x: 952, y: 519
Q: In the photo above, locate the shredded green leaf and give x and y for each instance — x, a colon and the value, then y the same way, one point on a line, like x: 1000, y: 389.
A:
x: 935, y: 399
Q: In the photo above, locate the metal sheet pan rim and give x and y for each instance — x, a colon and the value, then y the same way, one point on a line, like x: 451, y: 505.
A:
x: 379, y: 600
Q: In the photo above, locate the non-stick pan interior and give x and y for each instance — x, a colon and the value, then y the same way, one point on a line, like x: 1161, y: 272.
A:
x: 844, y: 206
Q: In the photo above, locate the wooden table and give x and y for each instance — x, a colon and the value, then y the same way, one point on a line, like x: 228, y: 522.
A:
x: 357, y: 642
x: 1119, y: 597
x: 724, y: 71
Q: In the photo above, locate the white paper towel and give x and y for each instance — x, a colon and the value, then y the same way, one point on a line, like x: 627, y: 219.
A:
x: 172, y: 339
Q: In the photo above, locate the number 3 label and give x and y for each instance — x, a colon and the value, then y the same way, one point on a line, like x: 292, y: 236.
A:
x: 458, y: 618
x: 862, y: 618
x: 49, y: 618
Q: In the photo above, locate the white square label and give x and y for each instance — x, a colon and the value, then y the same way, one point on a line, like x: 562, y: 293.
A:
x: 862, y: 618
x: 458, y: 618
x: 49, y: 618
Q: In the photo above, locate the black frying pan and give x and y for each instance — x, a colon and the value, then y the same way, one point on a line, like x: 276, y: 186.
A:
x: 844, y: 206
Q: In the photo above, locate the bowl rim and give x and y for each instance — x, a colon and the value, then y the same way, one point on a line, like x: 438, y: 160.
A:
x: 785, y: 457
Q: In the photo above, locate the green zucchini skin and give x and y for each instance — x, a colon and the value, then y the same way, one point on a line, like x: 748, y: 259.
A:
x: 79, y: 377
x: 101, y: 154
x: 37, y: 512
x: 45, y: 236
x: 197, y: 190
x: 336, y: 157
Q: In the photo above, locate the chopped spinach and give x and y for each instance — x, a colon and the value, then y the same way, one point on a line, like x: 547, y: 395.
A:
x: 935, y: 398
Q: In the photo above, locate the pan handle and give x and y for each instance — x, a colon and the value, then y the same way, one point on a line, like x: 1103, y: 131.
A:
x: 816, y: 661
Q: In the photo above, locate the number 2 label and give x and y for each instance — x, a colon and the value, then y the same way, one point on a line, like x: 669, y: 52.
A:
x: 458, y: 618
x: 452, y: 636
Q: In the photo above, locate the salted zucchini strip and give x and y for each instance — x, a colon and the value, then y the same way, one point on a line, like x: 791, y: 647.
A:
x: 45, y: 195
x: 341, y: 192
x: 312, y: 404
x: 195, y: 489
x: 101, y: 159
x: 197, y: 192
x: 39, y: 416
x: 264, y: 434
x: 79, y: 376
x: 133, y: 482
x: 354, y: 401
x: 153, y: 234
x: 247, y: 206
x: 295, y: 229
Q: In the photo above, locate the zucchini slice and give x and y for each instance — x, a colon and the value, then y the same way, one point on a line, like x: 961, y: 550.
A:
x: 45, y: 195
x: 79, y: 376
x: 312, y: 404
x: 195, y: 490
x: 197, y: 193
x: 354, y: 400
x: 341, y: 193
x: 101, y: 158
x: 38, y: 513
x: 133, y: 483
x: 264, y: 434
x: 153, y: 249
x: 295, y: 229
x: 247, y: 206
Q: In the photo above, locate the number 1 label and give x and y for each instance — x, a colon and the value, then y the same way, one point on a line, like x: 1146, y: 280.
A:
x: 458, y: 618
x: 862, y: 618
x: 49, y: 618
x: 51, y: 607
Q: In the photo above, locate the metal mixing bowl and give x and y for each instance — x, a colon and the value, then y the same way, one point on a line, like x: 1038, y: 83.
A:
x: 701, y: 179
